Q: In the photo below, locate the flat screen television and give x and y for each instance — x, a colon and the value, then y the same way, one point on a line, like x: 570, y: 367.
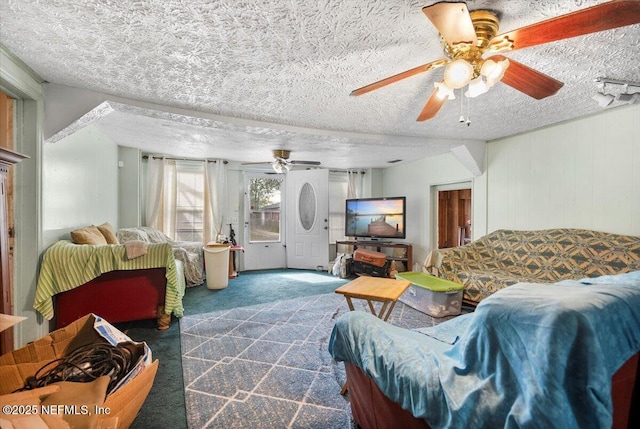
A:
x: 375, y: 218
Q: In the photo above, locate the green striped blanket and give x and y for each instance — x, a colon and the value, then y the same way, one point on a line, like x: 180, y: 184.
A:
x: 66, y: 266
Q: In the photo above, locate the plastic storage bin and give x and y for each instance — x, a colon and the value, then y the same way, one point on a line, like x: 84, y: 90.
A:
x: 216, y: 263
x: 432, y: 295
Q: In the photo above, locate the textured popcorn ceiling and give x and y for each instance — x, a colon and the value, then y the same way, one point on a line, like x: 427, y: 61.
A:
x: 277, y: 73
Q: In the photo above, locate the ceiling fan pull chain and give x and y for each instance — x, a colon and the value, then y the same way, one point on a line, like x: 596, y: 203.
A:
x: 461, y: 120
x: 468, y: 111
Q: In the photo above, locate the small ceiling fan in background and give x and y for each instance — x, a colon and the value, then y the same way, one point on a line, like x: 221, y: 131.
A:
x: 471, y: 47
x: 281, y: 163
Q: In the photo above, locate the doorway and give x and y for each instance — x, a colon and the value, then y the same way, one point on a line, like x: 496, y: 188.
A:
x: 264, y: 223
x: 453, y: 217
x: 286, y: 220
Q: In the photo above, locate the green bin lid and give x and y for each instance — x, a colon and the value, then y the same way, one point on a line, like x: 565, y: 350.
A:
x: 430, y: 282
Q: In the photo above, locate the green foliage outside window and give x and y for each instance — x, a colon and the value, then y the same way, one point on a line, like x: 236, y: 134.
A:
x: 262, y: 192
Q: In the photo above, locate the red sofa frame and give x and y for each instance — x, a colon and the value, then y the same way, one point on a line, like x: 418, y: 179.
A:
x: 371, y: 409
x: 116, y: 296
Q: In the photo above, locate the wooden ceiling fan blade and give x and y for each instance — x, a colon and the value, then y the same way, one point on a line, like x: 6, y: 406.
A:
x: 400, y: 76
x: 605, y: 16
x: 432, y: 107
x: 453, y: 22
x: 527, y: 80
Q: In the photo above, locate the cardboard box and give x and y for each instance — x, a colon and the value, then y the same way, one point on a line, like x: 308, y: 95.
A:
x: 124, y: 403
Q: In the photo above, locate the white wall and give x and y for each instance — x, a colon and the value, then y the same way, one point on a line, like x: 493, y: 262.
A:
x: 129, y: 187
x: 373, y: 184
x: 80, y: 183
x: 581, y: 174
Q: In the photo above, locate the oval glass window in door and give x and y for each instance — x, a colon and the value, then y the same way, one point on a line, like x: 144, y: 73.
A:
x: 307, y: 207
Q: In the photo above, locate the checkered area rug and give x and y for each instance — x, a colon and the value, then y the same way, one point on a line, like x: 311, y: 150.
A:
x: 267, y: 365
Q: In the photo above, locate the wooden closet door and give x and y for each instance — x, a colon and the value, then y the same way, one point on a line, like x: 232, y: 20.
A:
x: 7, y: 159
x: 6, y: 305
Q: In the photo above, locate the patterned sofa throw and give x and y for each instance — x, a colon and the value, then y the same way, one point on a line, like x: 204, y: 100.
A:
x: 188, y: 252
x: 505, y: 257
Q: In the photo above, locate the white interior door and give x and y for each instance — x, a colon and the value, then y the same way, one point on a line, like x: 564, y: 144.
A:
x: 307, y: 202
x: 264, y: 221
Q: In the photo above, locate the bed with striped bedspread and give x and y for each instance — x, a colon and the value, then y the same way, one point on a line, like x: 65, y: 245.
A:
x: 66, y: 265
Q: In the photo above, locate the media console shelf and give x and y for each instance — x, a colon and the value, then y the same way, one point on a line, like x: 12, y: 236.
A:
x: 395, y: 251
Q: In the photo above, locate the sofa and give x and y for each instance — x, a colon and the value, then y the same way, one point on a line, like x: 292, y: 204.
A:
x: 190, y: 253
x: 530, y: 355
x: 506, y: 257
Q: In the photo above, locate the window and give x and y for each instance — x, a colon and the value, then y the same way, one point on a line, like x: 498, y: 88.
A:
x: 189, y: 201
x: 338, y: 184
x: 264, y: 210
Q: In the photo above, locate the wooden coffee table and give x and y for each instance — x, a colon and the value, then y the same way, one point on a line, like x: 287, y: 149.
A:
x: 380, y: 289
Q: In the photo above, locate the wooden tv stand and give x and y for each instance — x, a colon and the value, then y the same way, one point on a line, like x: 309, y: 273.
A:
x: 381, y: 246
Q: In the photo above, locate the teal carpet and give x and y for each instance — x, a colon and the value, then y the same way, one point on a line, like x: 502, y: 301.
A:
x: 259, y: 287
x: 165, y: 405
x: 267, y: 366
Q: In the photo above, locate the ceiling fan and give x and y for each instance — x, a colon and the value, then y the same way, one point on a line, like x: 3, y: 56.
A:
x: 472, y: 49
x: 281, y: 163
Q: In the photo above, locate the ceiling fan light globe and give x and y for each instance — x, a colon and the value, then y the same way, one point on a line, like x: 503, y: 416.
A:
x: 458, y: 73
x: 493, y: 71
x: 443, y: 91
x: 277, y: 166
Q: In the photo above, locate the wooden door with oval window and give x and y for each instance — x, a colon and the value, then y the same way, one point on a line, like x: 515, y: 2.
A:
x: 307, y: 219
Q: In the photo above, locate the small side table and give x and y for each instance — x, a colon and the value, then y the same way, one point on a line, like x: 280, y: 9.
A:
x: 380, y: 289
x: 233, y: 270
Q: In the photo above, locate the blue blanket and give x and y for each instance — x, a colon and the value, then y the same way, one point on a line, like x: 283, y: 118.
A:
x: 531, y: 355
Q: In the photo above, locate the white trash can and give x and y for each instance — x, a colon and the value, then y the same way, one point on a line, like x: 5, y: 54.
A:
x: 216, y: 262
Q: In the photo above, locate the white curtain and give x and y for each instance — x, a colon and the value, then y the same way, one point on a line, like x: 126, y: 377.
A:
x: 170, y: 199
x: 215, y: 188
x: 355, y: 187
x: 155, y: 182
x: 161, y: 195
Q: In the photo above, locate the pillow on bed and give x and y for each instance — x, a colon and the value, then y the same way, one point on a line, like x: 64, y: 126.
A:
x: 107, y: 231
x: 88, y: 235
